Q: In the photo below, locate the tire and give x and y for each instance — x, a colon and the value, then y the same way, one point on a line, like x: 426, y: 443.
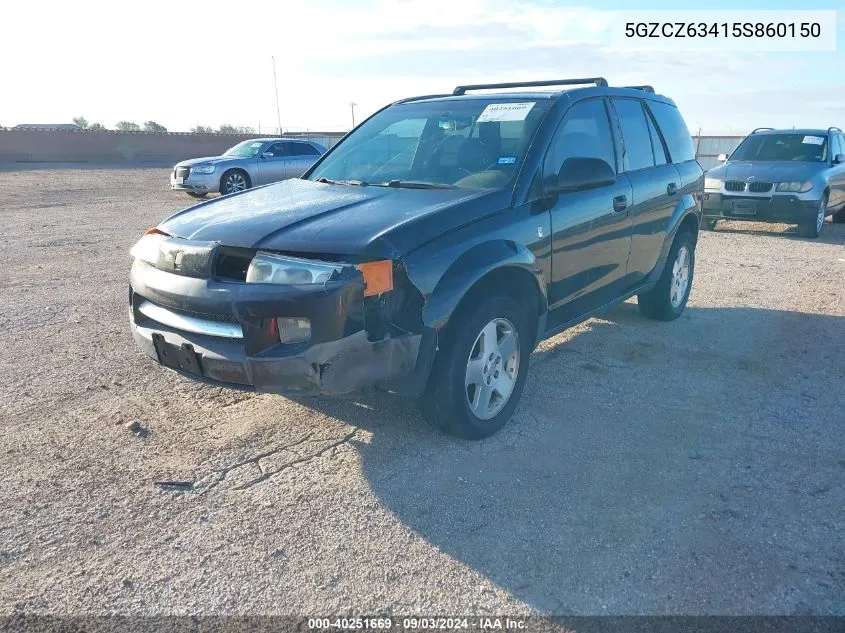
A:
x: 667, y: 300
x: 196, y: 194
x: 455, y: 404
x: 234, y: 181
x: 814, y: 227
x: 839, y: 218
x: 708, y: 224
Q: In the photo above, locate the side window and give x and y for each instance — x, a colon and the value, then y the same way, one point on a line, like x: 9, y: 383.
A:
x: 841, y: 143
x: 292, y: 148
x: 635, y: 135
x: 585, y: 132
x: 675, y: 132
x: 656, y: 144
x: 306, y: 149
x: 276, y: 149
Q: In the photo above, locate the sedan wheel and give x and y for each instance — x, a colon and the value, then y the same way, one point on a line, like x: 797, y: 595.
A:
x: 233, y: 182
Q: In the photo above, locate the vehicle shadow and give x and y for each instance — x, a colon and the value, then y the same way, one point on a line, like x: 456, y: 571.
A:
x: 831, y: 234
x: 691, y: 467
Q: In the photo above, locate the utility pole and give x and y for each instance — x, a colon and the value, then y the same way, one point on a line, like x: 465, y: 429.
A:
x: 276, y: 84
x: 352, y: 105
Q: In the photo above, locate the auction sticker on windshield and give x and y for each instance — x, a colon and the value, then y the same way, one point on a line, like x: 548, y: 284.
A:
x: 505, y: 112
x: 813, y: 140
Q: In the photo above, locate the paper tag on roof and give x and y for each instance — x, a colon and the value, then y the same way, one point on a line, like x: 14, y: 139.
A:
x: 813, y: 140
x: 505, y: 112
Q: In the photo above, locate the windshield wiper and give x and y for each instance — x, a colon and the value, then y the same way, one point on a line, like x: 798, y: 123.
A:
x: 354, y: 183
x: 414, y: 184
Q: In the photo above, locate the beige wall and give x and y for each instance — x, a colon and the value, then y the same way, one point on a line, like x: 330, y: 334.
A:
x: 107, y: 148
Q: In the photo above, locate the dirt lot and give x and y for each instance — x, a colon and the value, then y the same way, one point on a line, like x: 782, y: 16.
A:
x: 695, y: 467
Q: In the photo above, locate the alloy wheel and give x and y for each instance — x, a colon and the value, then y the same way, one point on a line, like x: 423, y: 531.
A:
x: 235, y: 183
x: 492, y: 369
x: 680, y: 277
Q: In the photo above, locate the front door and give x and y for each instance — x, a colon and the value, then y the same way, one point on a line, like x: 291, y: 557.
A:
x: 591, y: 231
x: 271, y: 164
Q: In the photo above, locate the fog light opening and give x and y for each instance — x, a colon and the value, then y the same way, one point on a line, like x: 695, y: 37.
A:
x: 293, y: 329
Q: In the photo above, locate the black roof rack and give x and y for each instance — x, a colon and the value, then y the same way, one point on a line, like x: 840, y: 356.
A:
x: 761, y: 128
x: 598, y: 81
x: 407, y: 99
x: 645, y: 88
x: 833, y: 129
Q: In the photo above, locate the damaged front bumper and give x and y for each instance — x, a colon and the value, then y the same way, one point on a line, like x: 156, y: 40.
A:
x: 223, y: 332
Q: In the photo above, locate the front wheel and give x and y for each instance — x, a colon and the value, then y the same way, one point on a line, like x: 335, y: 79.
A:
x: 480, y: 369
x: 667, y: 300
x: 813, y: 227
x: 234, y: 181
x: 708, y: 224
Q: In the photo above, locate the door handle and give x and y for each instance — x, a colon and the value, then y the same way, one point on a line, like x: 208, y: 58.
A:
x: 672, y: 189
x: 620, y: 203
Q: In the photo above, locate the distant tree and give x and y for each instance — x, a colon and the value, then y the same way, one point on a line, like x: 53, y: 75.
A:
x: 127, y: 126
x: 81, y: 122
x: 235, y: 129
x: 201, y: 129
x: 152, y: 126
x: 97, y: 127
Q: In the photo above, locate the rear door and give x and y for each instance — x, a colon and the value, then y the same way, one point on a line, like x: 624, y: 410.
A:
x: 591, y: 232
x: 299, y: 157
x: 271, y: 163
x: 655, y: 183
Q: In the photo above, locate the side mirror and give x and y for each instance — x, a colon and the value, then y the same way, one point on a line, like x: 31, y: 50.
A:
x: 839, y: 158
x: 578, y: 173
x: 267, y: 155
x: 722, y: 158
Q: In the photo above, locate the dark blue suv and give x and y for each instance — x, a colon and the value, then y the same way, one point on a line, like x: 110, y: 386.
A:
x: 431, y: 249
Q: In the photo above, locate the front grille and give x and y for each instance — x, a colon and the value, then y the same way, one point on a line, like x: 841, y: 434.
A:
x: 219, y: 318
x: 183, y: 172
x: 760, y: 187
x: 734, y: 185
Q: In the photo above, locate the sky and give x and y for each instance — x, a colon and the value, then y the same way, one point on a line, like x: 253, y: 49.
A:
x: 187, y: 63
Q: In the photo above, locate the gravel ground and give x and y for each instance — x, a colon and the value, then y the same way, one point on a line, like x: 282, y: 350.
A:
x: 695, y: 467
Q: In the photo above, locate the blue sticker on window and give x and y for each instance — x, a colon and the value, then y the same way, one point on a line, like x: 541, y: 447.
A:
x: 507, y: 160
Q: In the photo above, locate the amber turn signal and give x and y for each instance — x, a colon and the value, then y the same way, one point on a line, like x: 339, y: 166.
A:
x: 378, y: 277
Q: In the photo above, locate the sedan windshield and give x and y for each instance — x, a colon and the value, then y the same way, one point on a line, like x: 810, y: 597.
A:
x: 807, y: 148
x: 468, y: 143
x: 247, y: 149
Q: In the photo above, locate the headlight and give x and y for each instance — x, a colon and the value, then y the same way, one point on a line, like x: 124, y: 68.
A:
x: 795, y: 186
x: 712, y: 184
x: 147, y: 248
x: 203, y: 169
x: 277, y: 269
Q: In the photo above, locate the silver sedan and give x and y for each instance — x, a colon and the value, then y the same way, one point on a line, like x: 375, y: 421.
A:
x: 247, y: 164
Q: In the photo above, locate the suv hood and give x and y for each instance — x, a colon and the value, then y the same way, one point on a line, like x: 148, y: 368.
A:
x: 766, y: 171
x: 310, y: 217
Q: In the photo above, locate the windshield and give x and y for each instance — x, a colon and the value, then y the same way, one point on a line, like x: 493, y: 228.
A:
x: 808, y: 148
x: 247, y: 149
x: 472, y: 143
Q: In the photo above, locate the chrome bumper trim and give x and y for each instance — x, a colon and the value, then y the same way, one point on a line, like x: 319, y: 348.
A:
x: 189, y: 324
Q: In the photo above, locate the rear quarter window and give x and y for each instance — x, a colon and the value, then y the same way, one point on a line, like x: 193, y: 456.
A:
x: 675, y: 131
